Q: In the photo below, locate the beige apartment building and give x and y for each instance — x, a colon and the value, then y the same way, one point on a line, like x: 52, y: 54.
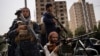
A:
x: 60, y: 10
x: 78, y: 17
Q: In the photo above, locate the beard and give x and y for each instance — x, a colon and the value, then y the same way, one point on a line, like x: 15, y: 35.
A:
x: 53, y: 41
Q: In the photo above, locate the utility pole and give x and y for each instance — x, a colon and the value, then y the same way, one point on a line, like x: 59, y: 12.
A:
x: 25, y: 3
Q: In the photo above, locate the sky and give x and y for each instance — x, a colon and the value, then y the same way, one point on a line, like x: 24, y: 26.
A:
x: 9, y: 7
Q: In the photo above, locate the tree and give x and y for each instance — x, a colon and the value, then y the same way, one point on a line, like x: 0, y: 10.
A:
x: 99, y: 27
x: 80, y: 31
x: 94, y: 29
x: 70, y: 33
x: 1, y: 44
x: 97, y: 34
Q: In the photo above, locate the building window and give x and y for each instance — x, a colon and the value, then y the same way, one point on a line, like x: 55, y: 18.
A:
x: 62, y: 18
x: 48, y: 0
x: 62, y: 22
x: 65, y: 6
x: 61, y: 10
x: 42, y: 9
x: 66, y: 17
x: 62, y: 14
x: 36, y: 8
x: 41, y: 0
x: 41, y: 4
x: 41, y: 13
x: 61, y: 2
x: 61, y: 6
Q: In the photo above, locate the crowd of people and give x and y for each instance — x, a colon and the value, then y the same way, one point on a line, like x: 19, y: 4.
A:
x: 25, y: 38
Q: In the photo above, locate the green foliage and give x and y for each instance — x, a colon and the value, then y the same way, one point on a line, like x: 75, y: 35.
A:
x: 99, y: 26
x: 97, y: 34
x: 70, y: 34
x: 80, y: 31
x: 1, y: 45
x: 95, y: 28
